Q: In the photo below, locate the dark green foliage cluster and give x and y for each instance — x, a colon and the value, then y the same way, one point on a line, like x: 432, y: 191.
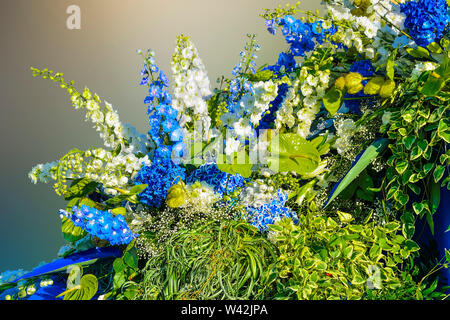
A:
x: 419, y: 133
x: 213, y: 260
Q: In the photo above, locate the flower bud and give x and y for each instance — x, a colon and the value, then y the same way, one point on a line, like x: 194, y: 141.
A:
x: 340, y: 83
x: 176, y: 196
x: 373, y: 87
x: 387, y: 88
x: 353, y: 79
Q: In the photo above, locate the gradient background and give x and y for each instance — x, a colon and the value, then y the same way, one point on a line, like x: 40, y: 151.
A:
x: 37, y: 122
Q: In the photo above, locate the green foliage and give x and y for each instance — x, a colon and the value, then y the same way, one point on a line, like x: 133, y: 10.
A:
x: 419, y: 134
x: 213, y: 260
x: 333, y: 100
x: 85, y: 290
x: 127, y: 195
x: 126, y: 272
x: 322, y: 258
x: 239, y: 163
x: 291, y: 152
x: 369, y: 154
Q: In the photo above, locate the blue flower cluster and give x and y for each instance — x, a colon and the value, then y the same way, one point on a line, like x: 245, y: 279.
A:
x: 285, y: 62
x: 270, y: 213
x: 164, y: 128
x: 426, y: 20
x: 366, y: 69
x: 159, y: 177
x: 102, y: 224
x: 222, y: 182
x: 300, y: 35
x: 167, y: 134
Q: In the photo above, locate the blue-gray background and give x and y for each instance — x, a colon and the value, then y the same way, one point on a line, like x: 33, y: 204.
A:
x: 37, y: 122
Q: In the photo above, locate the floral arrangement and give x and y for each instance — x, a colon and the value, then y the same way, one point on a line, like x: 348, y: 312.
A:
x: 316, y: 177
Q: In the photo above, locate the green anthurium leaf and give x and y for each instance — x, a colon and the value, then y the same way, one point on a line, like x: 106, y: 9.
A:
x: 333, y: 100
x: 291, y: 152
x: 359, y: 165
x: 86, y: 290
x: 239, y: 163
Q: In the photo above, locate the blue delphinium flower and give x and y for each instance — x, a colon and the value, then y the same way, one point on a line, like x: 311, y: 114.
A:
x: 222, y: 182
x: 102, y: 224
x: 267, y: 214
x: 299, y: 35
x: 366, y: 69
x: 286, y: 63
x: 168, y: 136
x: 426, y: 20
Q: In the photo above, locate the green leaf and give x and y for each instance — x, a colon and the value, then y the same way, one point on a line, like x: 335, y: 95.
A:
x: 432, y: 86
x: 88, y: 289
x: 71, y: 233
x: 291, y: 152
x: 344, y: 217
x: 435, y: 196
x: 366, y: 158
x: 420, y: 52
x: 333, y: 100
x: 390, y: 65
x: 408, y: 141
x: 119, y: 266
x: 120, y: 210
x: 137, y: 189
x: 240, y: 163
x: 444, y: 130
x: 262, y: 75
x: 80, y: 188
x: 438, y: 173
x: 411, y: 246
x: 401, y: 166
x: 130, y: 258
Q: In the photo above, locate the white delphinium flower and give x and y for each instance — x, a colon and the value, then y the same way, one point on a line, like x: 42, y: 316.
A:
x: 43, y: 172
x: 191, y: 86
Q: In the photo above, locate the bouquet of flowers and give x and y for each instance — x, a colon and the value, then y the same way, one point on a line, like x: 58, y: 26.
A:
x: 322, y: 176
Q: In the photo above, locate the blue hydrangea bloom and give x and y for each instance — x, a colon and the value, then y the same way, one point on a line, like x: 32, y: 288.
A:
x: 426, y: 20
x: 102, y: 224
x: 222, y: 182
x: 270, y: 213
x: 159, y: 177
